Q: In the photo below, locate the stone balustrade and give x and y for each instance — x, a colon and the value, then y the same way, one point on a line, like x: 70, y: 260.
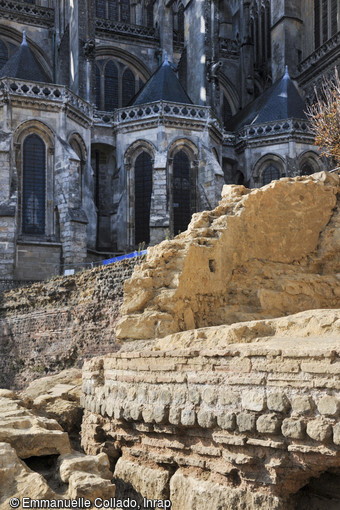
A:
x: 50, y: 92
x: 27, y: 13
x: 282, y: 127
x: 322, y: 51
x: 119, y: 28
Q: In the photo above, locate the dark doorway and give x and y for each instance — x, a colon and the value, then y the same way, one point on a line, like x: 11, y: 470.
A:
x: 143, y: 189
x: 181, y: 192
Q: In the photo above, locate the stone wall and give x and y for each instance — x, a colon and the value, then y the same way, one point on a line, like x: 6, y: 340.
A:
x: 261, y: 253
x: 53, y: 325
x: 236, y: 416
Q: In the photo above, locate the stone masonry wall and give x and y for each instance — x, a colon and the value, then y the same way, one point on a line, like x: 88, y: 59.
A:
x: 243, y: 422
x: 261, y: 253
x: 53, y: 325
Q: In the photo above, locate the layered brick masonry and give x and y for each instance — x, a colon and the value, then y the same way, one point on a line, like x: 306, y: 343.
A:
x: 42, y: 327
x: 253, y: 414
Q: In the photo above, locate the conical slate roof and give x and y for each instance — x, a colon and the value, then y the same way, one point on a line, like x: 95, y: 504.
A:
x: 162, y: 85
x: 23, y: 65
x: 281, y: 101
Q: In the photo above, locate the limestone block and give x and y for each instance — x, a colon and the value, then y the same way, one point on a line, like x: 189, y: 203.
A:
x: 206, y: 419
x: 160, y: 414
x: 118, y: 410
x: 294, y: 429
x: 226, y: 421
x: 253, y: 400
x: 329, y: 405
x: 319, y: 430
x: 136, y: 412
x: 336, y: 434
x: 147, y: 414
x: 17, y: 480
x: 86, y: 485
x: 165, y: 396
x: 268, y: 424
x: 28, y: 434
x: 188, y: 417
x: 180, y: 396
x: 227, y: 397
x: 209, y: 395
x: 174, y: 415
x: 194, y: 396
x: 95, y: 464
x: 188, y: 492
x: 303, y: 404
x: 278, y: 402
x: 246, y: 422
x: 150, y: 481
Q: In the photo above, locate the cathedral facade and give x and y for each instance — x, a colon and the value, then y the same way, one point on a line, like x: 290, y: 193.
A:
x: 121, y: 118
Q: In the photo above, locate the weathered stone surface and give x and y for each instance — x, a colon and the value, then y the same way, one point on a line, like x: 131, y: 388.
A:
x: 188, y: 417
x: 89, y: 486
x: 303, y: 404
x: 30, y: 435
x: 278, y: 402
x: 329, y: 406
x: 151, y: 482
x: 319, y: 430
x: 206, y: 419
x: 268, y: 424
x: 294, y: 429
x: 226, y: 421
x: 253, y: 401
x: 17, y: 480
x: 246, y: 422
x: 94, y: 464
x: 190, y: 492
x: 259, y: 241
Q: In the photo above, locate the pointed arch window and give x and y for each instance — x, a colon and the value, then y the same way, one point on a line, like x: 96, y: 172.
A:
x: 149, y: 14
x: 179, y: 23
x: 34, y: 186
x: 270, y: 173
x: 97, y: 88
x: 113, y: 10
x: 181, y: 192
x: 115, y: 84
x: 128, y: 86
x: 143, y: 190
x: 111, y: 86
x: 325, y: 20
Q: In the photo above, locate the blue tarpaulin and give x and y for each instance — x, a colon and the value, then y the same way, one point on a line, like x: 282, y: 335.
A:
x: 122, y: 257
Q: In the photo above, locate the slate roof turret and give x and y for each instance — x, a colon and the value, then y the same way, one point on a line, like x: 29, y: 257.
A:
x: 23, y: 65
x: 281, y: 101
x: 163, y: 85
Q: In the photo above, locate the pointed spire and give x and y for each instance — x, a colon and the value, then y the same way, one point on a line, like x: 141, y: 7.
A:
x: 286, y: 73
x: 24, y: 42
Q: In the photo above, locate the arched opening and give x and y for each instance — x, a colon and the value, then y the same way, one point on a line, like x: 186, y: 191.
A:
x: 149, y: 14
x: 78, y: 146
x: 128, y: 86
x: 270, y: 173
x: 178, y: 21
x: 34, y: 186
x: 143, y: 190
x: 111, y: 86
x: 181, y: 192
